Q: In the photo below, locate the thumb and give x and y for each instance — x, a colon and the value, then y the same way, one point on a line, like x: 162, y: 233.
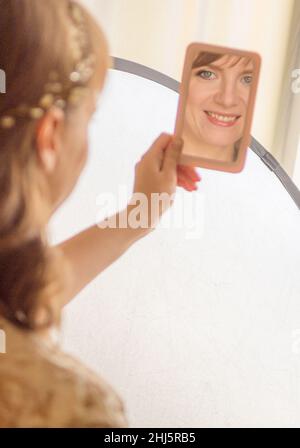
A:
x: 172, y: 154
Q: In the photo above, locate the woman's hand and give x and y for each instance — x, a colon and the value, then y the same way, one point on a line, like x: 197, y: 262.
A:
x: 94, y: 249
x: 158, y: 172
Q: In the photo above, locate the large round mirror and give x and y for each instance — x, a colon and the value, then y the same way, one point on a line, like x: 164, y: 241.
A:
x: 193, y: 330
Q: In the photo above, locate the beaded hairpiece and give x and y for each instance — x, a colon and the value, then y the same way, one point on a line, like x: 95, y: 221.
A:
x: 53, y: 91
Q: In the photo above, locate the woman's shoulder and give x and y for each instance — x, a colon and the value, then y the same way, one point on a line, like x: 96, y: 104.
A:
x: 41, y: 386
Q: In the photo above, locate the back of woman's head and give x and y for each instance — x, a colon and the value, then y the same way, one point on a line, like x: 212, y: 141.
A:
x: 51, y: 52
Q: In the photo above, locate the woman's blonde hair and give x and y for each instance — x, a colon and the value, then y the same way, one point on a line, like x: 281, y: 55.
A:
x: 35, y: 41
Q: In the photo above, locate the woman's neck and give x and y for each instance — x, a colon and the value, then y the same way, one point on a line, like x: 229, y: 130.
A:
x: 195, y: 147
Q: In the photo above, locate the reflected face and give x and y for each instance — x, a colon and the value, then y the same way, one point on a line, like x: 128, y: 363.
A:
x: 218, y: 98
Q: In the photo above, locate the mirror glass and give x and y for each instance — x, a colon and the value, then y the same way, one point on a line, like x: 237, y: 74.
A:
x: 230, y: 351
x: 216, y: 105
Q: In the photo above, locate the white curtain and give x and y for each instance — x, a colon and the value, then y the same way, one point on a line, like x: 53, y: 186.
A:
x: 286, y: 137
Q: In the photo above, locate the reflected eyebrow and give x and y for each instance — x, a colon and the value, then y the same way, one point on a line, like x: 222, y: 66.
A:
x: 215, y: 67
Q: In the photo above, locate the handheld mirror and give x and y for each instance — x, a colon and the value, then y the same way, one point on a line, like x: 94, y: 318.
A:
x: 216, y: 103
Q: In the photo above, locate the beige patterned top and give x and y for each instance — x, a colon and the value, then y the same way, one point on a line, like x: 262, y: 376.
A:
x: 41, y: 386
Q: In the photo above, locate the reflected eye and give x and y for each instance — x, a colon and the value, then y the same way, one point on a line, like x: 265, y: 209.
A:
x: 205, y: 74
x: 248, y: 79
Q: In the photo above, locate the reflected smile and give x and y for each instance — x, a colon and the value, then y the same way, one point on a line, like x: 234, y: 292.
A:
x: 222, y: 119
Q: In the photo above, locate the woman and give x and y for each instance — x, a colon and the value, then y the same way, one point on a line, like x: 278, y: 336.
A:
x: 217, y: 104
x: 55, y: 59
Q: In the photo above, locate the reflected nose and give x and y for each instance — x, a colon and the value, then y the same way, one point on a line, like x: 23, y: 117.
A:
x: 227, y: 96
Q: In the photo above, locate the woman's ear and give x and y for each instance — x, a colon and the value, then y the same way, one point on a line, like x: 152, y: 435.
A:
x: 49, y: 138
